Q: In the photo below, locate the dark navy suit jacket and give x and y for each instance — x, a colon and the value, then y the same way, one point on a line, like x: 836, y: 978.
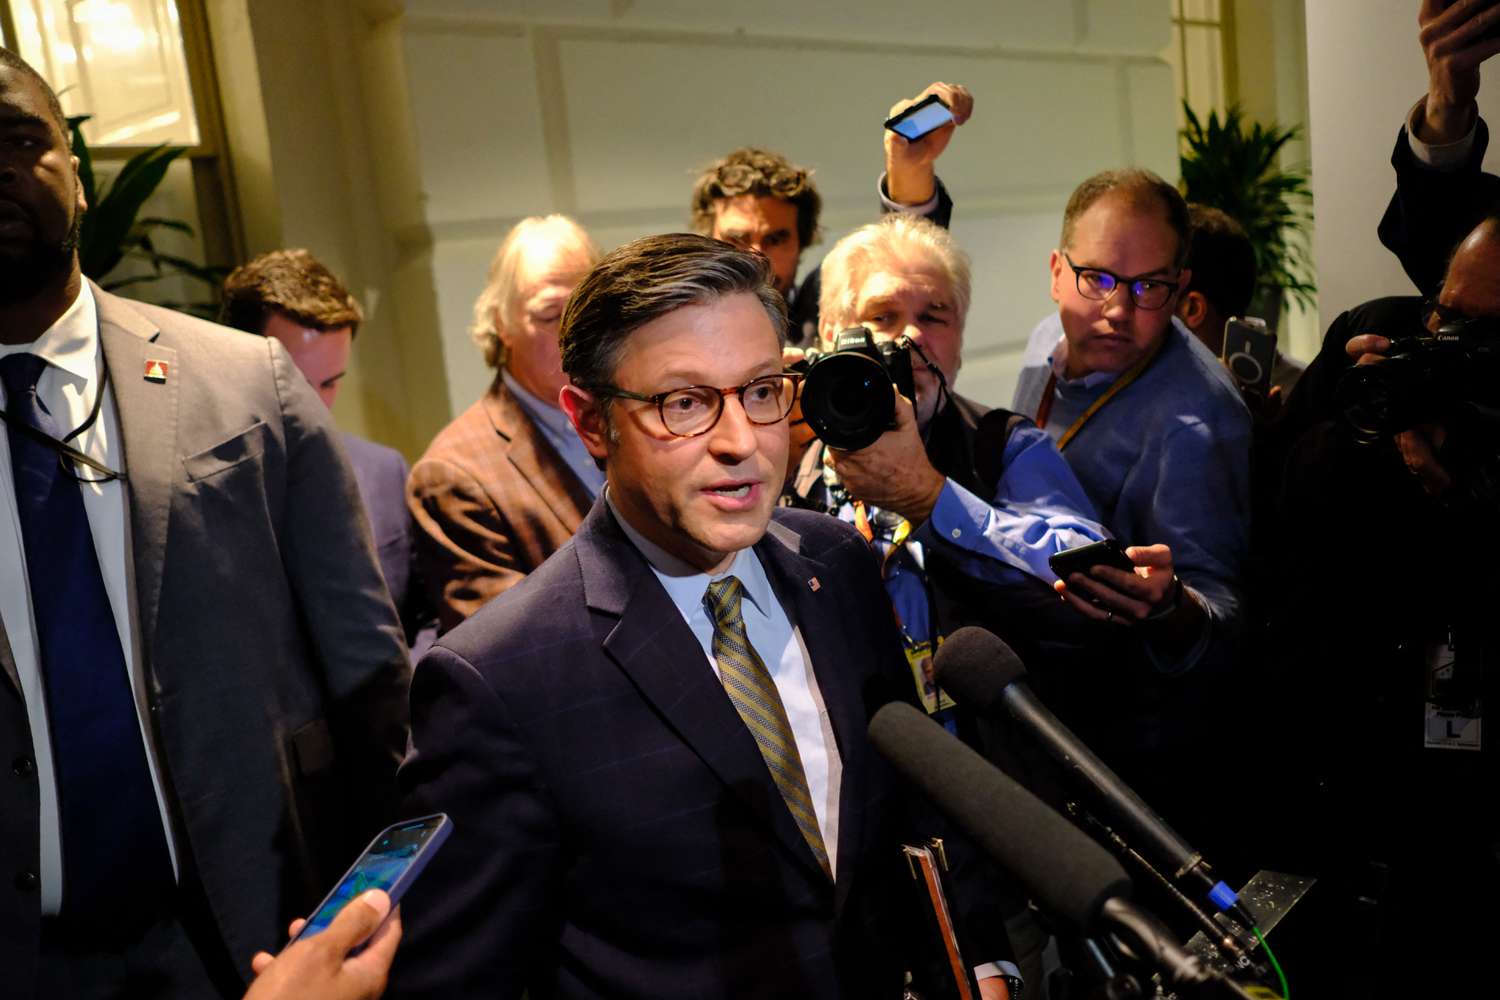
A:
x: 381, y: 473
x: 616, y: 832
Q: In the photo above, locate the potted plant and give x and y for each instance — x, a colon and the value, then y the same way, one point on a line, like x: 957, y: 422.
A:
x: 113, y: 230
x: 1231, y: 165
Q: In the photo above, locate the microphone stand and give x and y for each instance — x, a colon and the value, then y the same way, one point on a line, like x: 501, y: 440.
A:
x: 1225, y: 938
x: 1140, y: 936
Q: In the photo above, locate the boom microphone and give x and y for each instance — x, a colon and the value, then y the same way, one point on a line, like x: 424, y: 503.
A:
x: 1060, y: 866
x: 981, y: 671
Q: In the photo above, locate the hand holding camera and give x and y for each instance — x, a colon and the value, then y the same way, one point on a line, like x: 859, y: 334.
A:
x: 1434, y: 394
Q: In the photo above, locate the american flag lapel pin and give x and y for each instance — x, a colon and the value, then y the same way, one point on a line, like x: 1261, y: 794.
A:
x: 814, y: 584
x: 156, y: 370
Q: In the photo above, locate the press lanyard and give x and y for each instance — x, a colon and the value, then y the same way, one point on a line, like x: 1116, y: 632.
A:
x: 1044, y: 408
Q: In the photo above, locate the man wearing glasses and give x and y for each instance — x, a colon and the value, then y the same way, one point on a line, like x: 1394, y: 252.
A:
x: 1148, y: 419
x: 1155, y: 429
x: 653, y: 747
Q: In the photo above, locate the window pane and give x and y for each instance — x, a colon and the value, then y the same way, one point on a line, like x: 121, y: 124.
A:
x: 120, y: 61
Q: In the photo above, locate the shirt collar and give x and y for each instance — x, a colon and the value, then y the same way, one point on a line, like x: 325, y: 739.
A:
x: 70, y: 344
x: 1059, y: 362
x: 686, y: 585
x: 541, y: 413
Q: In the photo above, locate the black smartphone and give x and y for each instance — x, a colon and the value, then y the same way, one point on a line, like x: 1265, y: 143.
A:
x: 392, y: 862
x: 1249, y: 352
x: 1081, y: 559
x: 927, y: 115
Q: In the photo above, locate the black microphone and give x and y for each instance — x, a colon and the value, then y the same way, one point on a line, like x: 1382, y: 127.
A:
x: 1060, y: 866
x: 984, y: 673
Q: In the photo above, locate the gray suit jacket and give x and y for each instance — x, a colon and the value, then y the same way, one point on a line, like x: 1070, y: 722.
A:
x: 276, y: 675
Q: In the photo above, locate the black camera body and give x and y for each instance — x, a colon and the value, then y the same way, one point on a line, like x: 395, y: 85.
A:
x: 846, y: 392
x: 1427, y: 376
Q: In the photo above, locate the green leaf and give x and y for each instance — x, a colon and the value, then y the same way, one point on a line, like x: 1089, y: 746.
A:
x: 106, y: 227
x: 1231, y: 164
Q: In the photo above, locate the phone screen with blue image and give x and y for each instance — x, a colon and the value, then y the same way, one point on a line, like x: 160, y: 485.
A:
x: 391, y: 863
x: 918, y: 121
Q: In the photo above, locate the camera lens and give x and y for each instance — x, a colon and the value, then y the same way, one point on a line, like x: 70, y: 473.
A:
x: 847, y: 400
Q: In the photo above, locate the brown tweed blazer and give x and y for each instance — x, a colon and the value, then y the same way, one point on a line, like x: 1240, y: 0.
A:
x: 491, y: 500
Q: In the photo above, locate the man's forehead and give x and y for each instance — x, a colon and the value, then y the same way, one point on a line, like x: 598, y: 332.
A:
x: 22, y: 99
x: 1472, y: 284
x: 906, y: 281
x: 748, y: 211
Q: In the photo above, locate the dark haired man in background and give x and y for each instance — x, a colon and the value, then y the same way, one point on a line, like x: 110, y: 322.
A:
x: 290, y: 296
x: 759, y: 200
x: 1222, y: 287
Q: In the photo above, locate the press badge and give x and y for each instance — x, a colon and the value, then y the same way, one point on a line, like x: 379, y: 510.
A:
x: 919, y: 658
x: 1454, y: 706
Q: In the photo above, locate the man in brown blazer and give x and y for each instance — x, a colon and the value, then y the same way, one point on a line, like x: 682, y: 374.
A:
x: 508, y: 482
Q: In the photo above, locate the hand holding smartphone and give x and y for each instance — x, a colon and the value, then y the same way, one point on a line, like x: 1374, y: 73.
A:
x: 1083, y: 558
x: 392, y: 862
x: 926, y: 116
x: 1249, y: 352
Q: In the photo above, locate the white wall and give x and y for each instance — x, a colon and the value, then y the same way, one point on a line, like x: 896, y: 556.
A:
x: 606, y: 111
x: 1364, y: 72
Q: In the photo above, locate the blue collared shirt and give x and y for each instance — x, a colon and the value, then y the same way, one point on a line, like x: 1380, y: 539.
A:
x: 559, y: 432
x: 1166, y: 461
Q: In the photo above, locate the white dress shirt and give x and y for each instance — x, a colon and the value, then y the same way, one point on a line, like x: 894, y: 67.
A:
x: 779, y: 644
x: 68, y: 388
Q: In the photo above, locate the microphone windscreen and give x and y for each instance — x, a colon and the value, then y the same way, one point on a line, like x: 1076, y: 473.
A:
x: 1061, y: 867
x: 975, y: 667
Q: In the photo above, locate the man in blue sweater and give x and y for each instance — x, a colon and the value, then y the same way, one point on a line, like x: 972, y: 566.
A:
x: 1148, y: 419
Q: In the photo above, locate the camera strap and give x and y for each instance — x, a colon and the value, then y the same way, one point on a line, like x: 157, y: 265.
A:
x: 1044, y: 409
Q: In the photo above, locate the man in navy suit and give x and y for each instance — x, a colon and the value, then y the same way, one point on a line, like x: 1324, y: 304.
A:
x: 653, y: 748
x: 290, y: 296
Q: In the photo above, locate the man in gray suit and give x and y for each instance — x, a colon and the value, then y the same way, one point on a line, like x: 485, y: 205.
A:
x: 202, y: 696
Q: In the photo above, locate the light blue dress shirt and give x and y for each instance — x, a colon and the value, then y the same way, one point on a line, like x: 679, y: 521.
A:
x: 559, y: 432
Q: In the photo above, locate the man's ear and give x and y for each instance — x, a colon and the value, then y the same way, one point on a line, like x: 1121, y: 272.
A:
x: 1057, y: 265
x: 587, y: 417
x: 1192, y: 309
x: 81, y: 203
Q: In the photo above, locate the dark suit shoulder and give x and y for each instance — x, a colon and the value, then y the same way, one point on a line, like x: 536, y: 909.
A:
x: 545, y: 608
x: 375, y: 463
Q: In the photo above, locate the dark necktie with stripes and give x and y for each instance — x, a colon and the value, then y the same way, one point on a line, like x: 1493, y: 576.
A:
x: 753, y: 692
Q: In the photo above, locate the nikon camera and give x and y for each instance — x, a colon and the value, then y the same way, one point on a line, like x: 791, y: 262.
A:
x: 846, y: 394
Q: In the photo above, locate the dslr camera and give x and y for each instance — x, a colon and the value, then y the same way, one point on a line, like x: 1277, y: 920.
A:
x: 1451, y: 377
x: 1425, y: 377
x: 846, y: 392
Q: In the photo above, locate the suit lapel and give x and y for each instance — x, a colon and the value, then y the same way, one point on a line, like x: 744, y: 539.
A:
x: 654, y: 647
x: 148, y: 432
x: 815, y: 609
x: 536, y: 460
x: 8, y: 660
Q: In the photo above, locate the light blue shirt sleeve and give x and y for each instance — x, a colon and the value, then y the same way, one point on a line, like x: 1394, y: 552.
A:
x: 1039, y: 508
